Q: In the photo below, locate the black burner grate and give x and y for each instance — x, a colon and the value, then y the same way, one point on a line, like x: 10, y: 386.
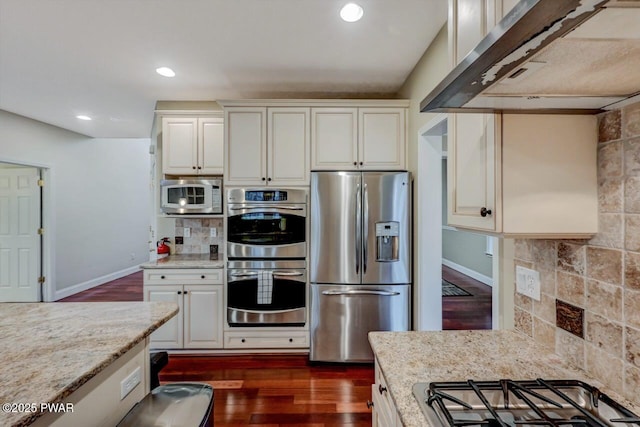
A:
x: 545, y: 402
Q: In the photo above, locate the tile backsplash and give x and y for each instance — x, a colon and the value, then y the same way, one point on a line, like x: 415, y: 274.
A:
x: 600, y: 276
x: 200, y: 240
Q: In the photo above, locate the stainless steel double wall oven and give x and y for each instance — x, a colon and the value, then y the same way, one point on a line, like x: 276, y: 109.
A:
x: 266, y: 251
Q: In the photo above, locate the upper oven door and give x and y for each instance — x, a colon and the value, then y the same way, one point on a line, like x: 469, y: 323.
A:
x: 261, y: 230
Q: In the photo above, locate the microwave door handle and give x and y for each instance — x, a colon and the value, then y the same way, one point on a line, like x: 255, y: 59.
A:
x: 365, y: 229
x: 358, y: 226
x: 289, y: 208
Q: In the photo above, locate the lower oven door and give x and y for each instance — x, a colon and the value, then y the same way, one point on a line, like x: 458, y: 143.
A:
x: 266, y: 293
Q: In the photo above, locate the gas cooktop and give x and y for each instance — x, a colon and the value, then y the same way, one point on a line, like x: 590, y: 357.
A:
x: 508, y: 403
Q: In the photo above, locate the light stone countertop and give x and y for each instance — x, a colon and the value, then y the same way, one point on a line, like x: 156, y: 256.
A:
x: 406, y: 358
x: 186, y: 261
x: 48, y: 350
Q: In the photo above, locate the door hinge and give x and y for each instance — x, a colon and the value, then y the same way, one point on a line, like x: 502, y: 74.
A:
x: 41, y: 279
x: 41, y: 231
x: 41, y: 183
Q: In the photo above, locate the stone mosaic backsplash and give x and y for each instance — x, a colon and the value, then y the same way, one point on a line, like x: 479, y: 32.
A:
x: 200, y: 240
x: 601, y: 275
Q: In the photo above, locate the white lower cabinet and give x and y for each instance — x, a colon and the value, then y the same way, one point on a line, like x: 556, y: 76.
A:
x: 384, y: 413
x: 199, y: 296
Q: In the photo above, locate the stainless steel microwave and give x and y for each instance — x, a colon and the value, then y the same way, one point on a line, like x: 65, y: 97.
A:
x: 191, y: 196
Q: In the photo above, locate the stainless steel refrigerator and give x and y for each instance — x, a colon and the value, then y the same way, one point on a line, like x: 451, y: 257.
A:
x: 360, y: 261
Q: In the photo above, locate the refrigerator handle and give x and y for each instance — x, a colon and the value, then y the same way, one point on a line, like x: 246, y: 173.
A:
x: 365, y: 227
x: 358, y: 219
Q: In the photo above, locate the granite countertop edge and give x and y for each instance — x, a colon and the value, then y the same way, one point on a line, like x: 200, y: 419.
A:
x: 406, y: 358
x: 158, y: 314
x: 185, y: 261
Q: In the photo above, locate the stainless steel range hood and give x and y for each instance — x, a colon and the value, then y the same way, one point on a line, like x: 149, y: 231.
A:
x: 549, y: 56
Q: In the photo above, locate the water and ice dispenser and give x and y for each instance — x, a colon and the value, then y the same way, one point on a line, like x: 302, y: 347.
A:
x: 387, y: 235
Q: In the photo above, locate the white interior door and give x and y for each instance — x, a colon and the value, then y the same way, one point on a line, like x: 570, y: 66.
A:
x: 20, y: 220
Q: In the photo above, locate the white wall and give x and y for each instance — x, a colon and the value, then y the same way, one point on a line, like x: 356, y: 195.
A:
x: 100, y: 199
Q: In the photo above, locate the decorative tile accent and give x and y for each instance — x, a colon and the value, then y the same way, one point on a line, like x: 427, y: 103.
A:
x: 605, y: 300
x: 632, y: 346
x: 570, y: 318
x: 604, y: 334
x: 571, y: 258
x: 610, y: 163
x: 609, y: 126
x: 179, y: 239
x: 604, y: 264
x: 571, y: 288
x: 632, y: 270
x: 631, y: 121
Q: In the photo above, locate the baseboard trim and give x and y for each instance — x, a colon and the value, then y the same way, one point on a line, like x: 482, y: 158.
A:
x: 72, y: 290
x: 468, y: 272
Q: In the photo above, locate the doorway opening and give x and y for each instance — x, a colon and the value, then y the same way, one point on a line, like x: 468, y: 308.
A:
x: 439, y: 245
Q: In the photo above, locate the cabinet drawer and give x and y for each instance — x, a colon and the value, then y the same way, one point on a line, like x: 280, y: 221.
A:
x: 158, y: 276
x: 266, y: 340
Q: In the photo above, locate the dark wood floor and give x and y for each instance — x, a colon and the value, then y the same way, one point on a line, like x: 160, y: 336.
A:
x: 274, y: 390
x: 466, y: 312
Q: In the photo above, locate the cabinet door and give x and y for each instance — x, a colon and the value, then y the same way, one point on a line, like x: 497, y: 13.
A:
x: 245, y: 146
x: 381, y: 138
x: 203, y: 316
x: 288, y: 146
x: 211, y: 145
x: 473, y: 169
x: 168, y: 335
x: 334, y: 138
x: 179, y: 146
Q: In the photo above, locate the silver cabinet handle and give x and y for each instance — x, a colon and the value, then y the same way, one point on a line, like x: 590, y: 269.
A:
x: 248, y: 274
x: 379, y: 293
x: 289, y: 208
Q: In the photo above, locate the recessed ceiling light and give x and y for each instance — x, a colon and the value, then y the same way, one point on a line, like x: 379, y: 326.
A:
x: 165, y: 71
x: 351, y: 12
x: 83, y: 117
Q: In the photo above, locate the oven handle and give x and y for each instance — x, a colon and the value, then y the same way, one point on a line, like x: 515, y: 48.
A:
x: 287, y: 273
x: 289, y: 208
x: 381, y: 293
x: 247, y: 274
x: 242, y: 310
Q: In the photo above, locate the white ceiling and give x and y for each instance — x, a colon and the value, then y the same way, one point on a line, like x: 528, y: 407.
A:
x: 61, y: 58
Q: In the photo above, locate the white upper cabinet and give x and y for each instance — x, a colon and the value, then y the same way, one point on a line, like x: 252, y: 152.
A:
x: 358, y: 138
x: 516, y: 175
x: 267, y: 146
x: 334, y: 138
x: 192, y: 145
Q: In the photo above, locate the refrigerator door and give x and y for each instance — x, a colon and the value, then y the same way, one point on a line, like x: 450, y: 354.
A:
x: 342, y: 317
x: 335, y: 218
x: 386, y: 216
